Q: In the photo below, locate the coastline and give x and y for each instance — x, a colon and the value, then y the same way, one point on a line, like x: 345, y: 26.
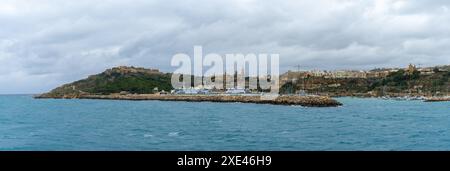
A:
x: 307, y: 101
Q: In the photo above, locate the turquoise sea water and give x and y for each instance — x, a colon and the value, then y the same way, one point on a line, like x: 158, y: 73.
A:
x: 361, y: 124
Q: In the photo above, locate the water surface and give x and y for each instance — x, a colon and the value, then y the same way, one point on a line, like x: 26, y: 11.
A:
x: 361, y: 124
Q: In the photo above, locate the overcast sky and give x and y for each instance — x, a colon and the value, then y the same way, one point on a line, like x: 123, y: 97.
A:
x: 45, y: 43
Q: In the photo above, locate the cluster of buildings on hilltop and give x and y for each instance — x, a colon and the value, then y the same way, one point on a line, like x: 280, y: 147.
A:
x: 127, y: 70
x: 295, y: 75
x: 375, y: 73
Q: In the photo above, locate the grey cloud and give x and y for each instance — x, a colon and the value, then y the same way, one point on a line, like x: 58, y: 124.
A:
x: 47, y: 43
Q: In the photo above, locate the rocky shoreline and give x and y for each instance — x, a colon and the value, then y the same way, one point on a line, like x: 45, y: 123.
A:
x: 308, y: 101
x: 438, y: 99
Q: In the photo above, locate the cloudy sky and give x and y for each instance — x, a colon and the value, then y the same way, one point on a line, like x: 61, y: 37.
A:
x: 44, y: 43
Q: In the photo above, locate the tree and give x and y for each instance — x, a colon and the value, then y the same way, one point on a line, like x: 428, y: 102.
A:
x: 415, y: 74
x: 436, y: 70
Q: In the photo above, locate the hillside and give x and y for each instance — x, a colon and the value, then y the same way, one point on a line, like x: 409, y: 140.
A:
x: 395, y: 84
x: 116, y: 80
x: 143, y: 81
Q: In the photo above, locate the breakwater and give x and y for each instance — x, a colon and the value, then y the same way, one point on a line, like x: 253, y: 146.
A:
x: 437, y: 99
x: 309, y: 101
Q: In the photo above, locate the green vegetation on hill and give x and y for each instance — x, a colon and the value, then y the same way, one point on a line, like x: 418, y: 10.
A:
x: 116, y: 80
x: 401, y: 82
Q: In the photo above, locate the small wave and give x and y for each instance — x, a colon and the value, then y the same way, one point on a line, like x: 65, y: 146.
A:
x: 148, y: 135
x: 217, y: 121
x: 131, y: 134
x: 173, y: 134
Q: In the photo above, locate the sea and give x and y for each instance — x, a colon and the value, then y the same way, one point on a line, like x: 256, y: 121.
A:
x: 366, y: 124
